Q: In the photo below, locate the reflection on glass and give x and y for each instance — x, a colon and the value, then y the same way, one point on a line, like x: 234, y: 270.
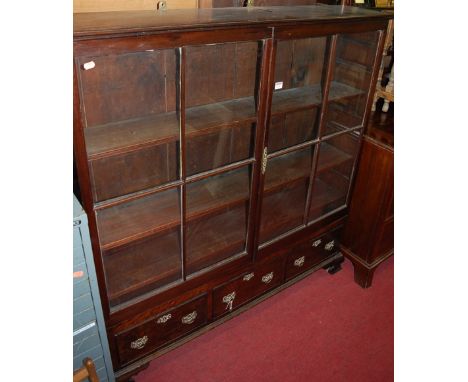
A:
x: 354, y: 60
x: 140, y: 242
x: 285, y: 192
x: 298, y: 92
x: 334, y: 170
x: 221, y: 86
x: 217, y: 216
x: 137, y: 111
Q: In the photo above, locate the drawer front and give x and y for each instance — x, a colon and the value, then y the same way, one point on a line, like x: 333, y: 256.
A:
x: 162, y: 329
x: 247, y: 287
x: 311, y: 252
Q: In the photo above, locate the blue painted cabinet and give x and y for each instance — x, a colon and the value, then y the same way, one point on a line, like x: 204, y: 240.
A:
x: 89, y: 333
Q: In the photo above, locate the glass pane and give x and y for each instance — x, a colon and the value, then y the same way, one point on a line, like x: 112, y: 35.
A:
x: 355, y: 56
x: 217, y: 215
x: 334, y: 170
x: 140, y: 242
x: 298, y: 92
x: 285, y: 192
x: 129, y: 103
x: 221, y: 84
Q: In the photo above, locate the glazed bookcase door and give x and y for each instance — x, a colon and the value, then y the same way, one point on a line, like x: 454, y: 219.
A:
x: 352, y: 71
x: 292, y: 134
x: 131, y: 122
x: 221, y: 103
x: 352, y: 67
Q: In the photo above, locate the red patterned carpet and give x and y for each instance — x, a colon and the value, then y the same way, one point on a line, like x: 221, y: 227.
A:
x: 324, y: 328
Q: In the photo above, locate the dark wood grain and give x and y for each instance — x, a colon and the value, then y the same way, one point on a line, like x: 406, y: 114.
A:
x: 368, y: 234
x: 106, y: 23
x: 248, y: 286
x: 376, y: 166
x: 157, y: 334
x: 311, y: 252
x: 171, y: 173
x: 149, y: 263
x: 116, y: 88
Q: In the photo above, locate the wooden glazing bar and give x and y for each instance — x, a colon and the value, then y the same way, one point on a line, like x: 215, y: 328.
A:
x: 136, y: 195
x: 370, y: 99
x: 290, y: 149
x: 326, y: 84
x: 337, y: 134
x: 262, y: 118
x: 182, y: 162
x: 311, y: 184
x: 219, y: 170
x: 268, y: 78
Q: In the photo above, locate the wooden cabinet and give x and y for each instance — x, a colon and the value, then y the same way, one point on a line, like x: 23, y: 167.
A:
x: 368, y: 234
x: 212, y: 145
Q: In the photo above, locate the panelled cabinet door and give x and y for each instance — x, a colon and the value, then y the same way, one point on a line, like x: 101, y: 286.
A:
x: 320, y: 95
x: 131, y: 125
x: 353, y: 64
x: 170, y: 142
x: 292, y: 134
x: 131, y: 122
x: 221, y: 102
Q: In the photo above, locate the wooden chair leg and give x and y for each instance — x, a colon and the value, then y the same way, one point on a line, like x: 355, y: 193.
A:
x: 87, y: 371
x: 89, y: 364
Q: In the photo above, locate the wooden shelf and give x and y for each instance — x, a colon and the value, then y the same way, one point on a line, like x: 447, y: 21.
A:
x: 121, y: 137
x: 207, y: 248
x: 308, y: 97
x: 276, y: 221
x: 343, y: 118
x: 324, y: 195
x: 353, y: 64
x: 209, y: 195
x: 211, y: 241
x: 330, y: 156
x: 287, y: 169
x: 149, y: 215
x: 141, y: 275
x: 132, y: 273
x: 206, y: 118
x: 139, y: 218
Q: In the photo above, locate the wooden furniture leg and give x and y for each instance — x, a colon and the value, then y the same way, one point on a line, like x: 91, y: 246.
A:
x: 87, y: 371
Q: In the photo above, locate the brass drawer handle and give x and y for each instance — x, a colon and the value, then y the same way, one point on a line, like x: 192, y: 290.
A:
x: 267, y: 278
x: 248, y: 277
x: 329, y: 246
x: 299, y: 262
x: 164, y: 319
x: 316, y: 243
x: 189, y: 318
x: 139, y: 343
x: 229, y: 299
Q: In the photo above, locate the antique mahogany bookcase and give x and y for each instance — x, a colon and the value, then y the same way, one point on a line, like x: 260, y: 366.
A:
x: 215, y: 153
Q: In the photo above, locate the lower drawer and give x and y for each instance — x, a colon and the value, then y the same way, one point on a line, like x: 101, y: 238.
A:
x: 161, y: 329
x: 311, y: 252
x: 247, y: 286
